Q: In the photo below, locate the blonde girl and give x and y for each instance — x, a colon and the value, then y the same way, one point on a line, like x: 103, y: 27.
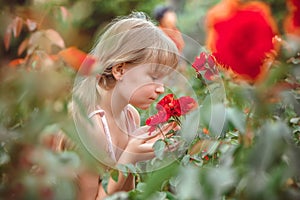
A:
x: 133, y: 58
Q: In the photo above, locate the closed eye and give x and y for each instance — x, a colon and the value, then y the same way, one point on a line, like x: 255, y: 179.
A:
x: 154, y: 78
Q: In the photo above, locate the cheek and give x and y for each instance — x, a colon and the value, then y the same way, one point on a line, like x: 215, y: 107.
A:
x: 135, y: 84
x: 143, y: 94
x: 143, y: 91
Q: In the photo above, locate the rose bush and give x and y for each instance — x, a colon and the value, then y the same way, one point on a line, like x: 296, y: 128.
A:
x: 246, y: 145
x: 169, y: 107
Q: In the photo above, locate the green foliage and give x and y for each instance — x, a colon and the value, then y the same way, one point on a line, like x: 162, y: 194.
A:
x: 33, y: 107
x: 247, y: 145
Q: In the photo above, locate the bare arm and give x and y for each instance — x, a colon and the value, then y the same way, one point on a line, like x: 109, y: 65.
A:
x: 139, y: 148
x: 123, y: 184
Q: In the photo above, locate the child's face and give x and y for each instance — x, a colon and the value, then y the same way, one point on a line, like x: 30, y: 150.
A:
x: 169, y: 20
x: 141, y: 85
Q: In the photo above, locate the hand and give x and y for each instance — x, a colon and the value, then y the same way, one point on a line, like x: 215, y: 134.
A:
x: 161, y: 133
x: 139, y: 147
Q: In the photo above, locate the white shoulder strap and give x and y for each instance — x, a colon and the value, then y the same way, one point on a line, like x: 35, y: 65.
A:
x: 106, y: 131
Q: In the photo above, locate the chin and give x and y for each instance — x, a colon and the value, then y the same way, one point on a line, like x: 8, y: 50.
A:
x: 143, y: 107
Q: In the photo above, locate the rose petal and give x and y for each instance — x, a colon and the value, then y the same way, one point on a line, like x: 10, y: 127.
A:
x: 199, y: 62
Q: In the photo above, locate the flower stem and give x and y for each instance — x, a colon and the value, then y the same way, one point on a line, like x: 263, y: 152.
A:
x: 165, y: 138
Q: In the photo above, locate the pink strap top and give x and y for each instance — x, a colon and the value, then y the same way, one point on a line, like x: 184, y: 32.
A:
x: 130, y: 125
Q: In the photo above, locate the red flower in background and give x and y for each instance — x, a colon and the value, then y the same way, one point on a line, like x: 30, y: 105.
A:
x: 292, y: 21
x: 77, y: 59
x: 205, y: 65
x: 186, y: 104
x: 199, y: 63
x: 169, y: 107
x: 240, y: 35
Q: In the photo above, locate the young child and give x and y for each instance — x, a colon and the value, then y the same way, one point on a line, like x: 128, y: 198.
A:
x: 167, y: 21
x: 133, y: 58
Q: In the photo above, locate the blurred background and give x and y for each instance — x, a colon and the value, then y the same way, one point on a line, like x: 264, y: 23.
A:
x: 80, y: 21
x: 43, y: 43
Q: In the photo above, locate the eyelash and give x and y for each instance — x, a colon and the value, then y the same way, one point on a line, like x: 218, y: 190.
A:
x: 154, y: 78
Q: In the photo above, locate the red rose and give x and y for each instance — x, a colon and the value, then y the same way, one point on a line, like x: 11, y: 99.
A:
x: 205, y: 64
x: 241, y: 36
x: 292, y: 20
x: 211, y: 61
x: 160, y: 117
x: 169, y: 107
x: 166, y: 101
x: 199, y: 62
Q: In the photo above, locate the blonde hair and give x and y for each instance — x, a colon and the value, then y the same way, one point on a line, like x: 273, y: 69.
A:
x: 133, y: 39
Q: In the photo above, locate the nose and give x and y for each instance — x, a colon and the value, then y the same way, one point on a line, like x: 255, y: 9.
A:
x: 160, y: 89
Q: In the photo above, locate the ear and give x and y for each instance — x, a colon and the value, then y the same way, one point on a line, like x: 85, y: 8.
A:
x: 118, y: 71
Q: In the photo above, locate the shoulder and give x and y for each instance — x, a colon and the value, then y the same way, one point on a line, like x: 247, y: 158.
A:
x: 95, y: 123
x: 135, y: 114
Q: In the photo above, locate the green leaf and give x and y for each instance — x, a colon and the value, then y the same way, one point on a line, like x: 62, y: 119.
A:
x: 189, y: 185
x: 174, y: 181
x: 158, y: 196
x: 159, y: 148
x: 64, y: 189
x: 69, y: 158
x: 190, y: 125
x: 270, y: 145
x: 105, y: 180
x: 214, y: 117
x: 185, y: 160
x: 237, y: 118
x: 131, y: 168
x: 295, y: 120
x: 118, y: 196
x: 114, y: 175
x: 213, y: 146
x: 157, y: 178
x: 170, y: 196
x: 222, y: 179
x: 123, y: 169
x: 197, y: 160
x: 4, y: 157
x: 141, y: 187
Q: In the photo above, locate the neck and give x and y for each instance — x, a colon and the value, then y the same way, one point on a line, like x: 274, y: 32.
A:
x: 112, y: 104
x: 167, y: 26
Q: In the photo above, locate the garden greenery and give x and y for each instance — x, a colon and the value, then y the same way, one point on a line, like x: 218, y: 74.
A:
x: 254, y: 155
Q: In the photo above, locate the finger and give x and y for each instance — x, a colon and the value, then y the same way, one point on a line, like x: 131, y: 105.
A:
x: 172, y: 125
x: 142, y: 149
x: 159, y: 133
x: 153, y: 140
x: 145, y: 137
x: 168, y: 127
x: 149, y: 140
x: 140, y: 156
x: 177, y: 128
x: 174, y: 145
x: 143, y: 133
x: 147, y: 147
x: 140, y: 131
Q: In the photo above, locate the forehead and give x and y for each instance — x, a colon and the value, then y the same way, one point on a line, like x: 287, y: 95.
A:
x: 162, y: 58
x: 160, y: 69
x: 152, y: 68
x: 143, y: 74
x: 170, y: 14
